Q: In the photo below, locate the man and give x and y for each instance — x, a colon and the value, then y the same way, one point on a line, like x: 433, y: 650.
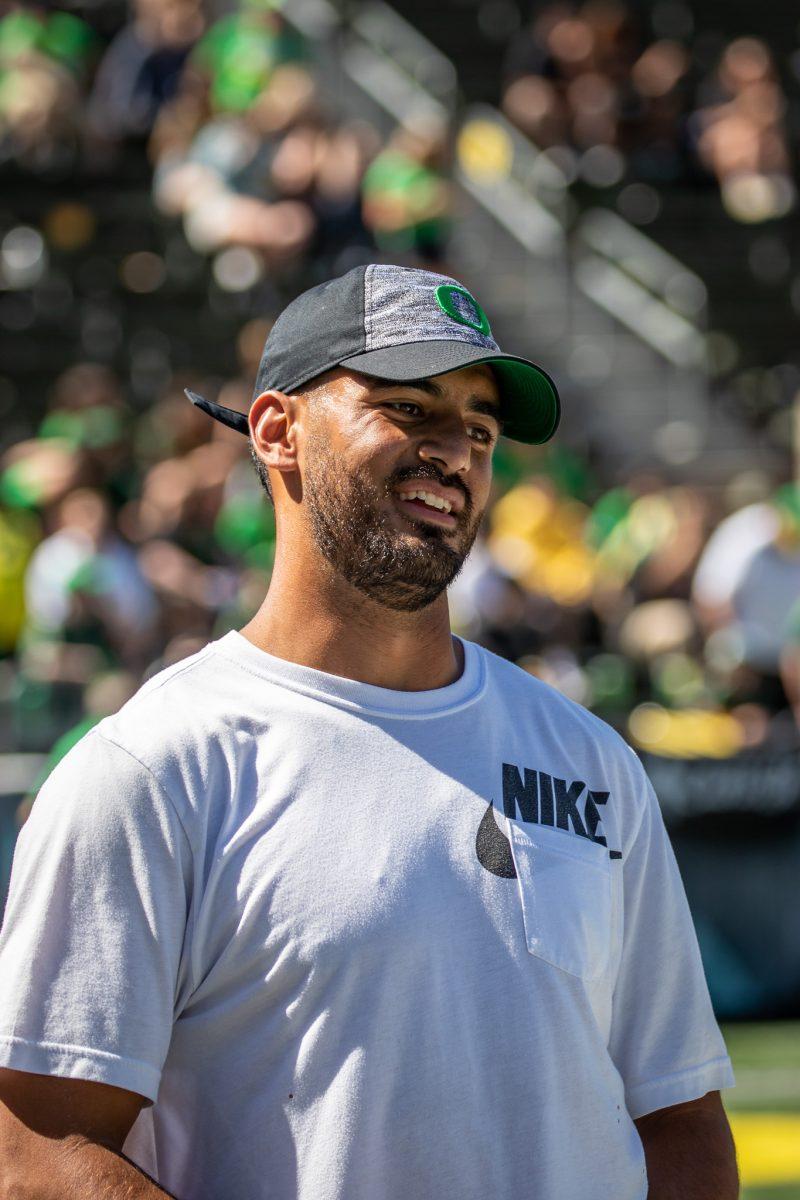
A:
x: 344, y: 907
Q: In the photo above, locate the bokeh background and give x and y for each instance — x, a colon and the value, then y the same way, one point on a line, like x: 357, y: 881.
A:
x: 617, y: 181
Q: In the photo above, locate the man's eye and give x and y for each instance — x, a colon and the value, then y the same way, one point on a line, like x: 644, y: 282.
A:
x: 481, y: 435
x: 405, y: 404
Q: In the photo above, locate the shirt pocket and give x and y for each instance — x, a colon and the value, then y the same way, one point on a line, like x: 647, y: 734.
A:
x: 565, y: 891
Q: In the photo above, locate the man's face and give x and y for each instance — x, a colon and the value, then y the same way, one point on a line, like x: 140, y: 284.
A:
x: 370, y: 447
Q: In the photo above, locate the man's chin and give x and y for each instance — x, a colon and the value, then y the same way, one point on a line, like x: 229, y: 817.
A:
x: 399, y: 596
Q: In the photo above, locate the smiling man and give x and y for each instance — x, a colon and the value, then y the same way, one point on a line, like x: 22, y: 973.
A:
x: 345, y: 907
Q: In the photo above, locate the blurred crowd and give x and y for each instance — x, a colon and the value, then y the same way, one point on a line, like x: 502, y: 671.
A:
x: 672, y: 611
x: 243, y: 149
x: 133, y: 529
x: 130, y: 530
x: 126, y: 542
x: 611, y: 105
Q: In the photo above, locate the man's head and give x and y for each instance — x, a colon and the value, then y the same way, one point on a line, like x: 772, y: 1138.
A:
x: 370, y: 387
x: 388, y: 481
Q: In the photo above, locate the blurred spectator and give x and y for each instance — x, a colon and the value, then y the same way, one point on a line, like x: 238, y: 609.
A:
x: 654, y: 133
x: 324, y: 164
x: 29, y: 30
x: 19, y: 533
x: 141, y: 69
x: 241, y: 51
x: 87, y: 411
x: 747, y: 585
x: 44, y: 58
x: 406, y: 197
x: 83, y: 583
x: 217, y: 171
x: 180, y: 495
x: 585, y: 84
x: 790, y: 661
x: 740, y: 133
x: 569, y: 74
x: 39, y: 473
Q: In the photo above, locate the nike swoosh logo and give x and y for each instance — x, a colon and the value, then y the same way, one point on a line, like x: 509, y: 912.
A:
x: 493, y: 847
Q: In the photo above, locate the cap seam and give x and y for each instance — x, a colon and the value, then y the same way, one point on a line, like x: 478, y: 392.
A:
x: 368, y: 273
x: 498, y: 353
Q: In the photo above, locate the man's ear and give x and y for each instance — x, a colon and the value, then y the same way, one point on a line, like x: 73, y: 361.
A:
x: 273, y: 429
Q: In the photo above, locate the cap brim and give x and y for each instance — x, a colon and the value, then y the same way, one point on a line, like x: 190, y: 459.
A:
x: 228, y: 416
x: 531, y: 407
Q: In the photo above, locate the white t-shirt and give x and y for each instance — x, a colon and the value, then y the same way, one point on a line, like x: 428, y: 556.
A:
x: 359, y: 944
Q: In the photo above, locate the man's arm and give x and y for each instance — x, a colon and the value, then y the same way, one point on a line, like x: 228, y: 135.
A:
x: 61, y: 1139
x: 689, y: 1151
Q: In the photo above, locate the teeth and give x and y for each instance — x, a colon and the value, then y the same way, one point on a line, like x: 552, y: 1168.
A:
x: 429, y: 499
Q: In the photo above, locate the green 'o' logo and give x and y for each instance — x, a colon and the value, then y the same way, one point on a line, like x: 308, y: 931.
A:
x: 458, y: 304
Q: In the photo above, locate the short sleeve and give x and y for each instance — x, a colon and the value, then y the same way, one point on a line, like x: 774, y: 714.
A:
x: 665, y: 1040
x: 91, y: 944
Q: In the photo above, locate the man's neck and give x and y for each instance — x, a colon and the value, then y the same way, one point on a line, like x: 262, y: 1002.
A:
x: 331, y: 627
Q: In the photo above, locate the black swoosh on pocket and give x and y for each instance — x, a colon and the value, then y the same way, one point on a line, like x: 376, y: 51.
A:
x: 493, y: 847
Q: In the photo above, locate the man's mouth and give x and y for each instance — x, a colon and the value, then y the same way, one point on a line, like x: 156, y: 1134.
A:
x: 429, y: 501
x: 419, y: 509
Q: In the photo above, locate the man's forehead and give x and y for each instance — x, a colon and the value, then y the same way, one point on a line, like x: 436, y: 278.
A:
x: 471, y: 375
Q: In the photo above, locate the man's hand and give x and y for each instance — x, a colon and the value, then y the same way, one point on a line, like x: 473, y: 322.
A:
x: 61, y: 1139
x: 689, y: 1152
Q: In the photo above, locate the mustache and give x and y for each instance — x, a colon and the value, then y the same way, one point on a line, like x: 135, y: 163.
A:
x: 429, y: 471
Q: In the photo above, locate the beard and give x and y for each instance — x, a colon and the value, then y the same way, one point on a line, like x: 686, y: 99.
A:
x: 402, y: 571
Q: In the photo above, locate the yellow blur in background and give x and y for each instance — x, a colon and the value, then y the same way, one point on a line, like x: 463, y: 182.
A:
x: 764, y: 1108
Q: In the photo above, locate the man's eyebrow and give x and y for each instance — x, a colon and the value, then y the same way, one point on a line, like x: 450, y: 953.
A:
x: 422, y: 385
x: 477, y: 404
x: 490, y: 407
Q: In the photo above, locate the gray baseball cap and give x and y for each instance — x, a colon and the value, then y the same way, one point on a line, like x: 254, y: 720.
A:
x: 397, y: 324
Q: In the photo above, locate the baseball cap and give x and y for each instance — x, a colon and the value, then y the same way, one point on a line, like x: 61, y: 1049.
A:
x: 397, y: 324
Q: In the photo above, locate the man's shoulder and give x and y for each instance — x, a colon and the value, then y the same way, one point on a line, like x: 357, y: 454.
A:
x: 165, y: 749
x: 177, y: 714
x: 518, y: 683
x: 166, y: 693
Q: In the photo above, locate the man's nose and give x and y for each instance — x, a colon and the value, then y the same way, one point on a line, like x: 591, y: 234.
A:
x: 448, y: 445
